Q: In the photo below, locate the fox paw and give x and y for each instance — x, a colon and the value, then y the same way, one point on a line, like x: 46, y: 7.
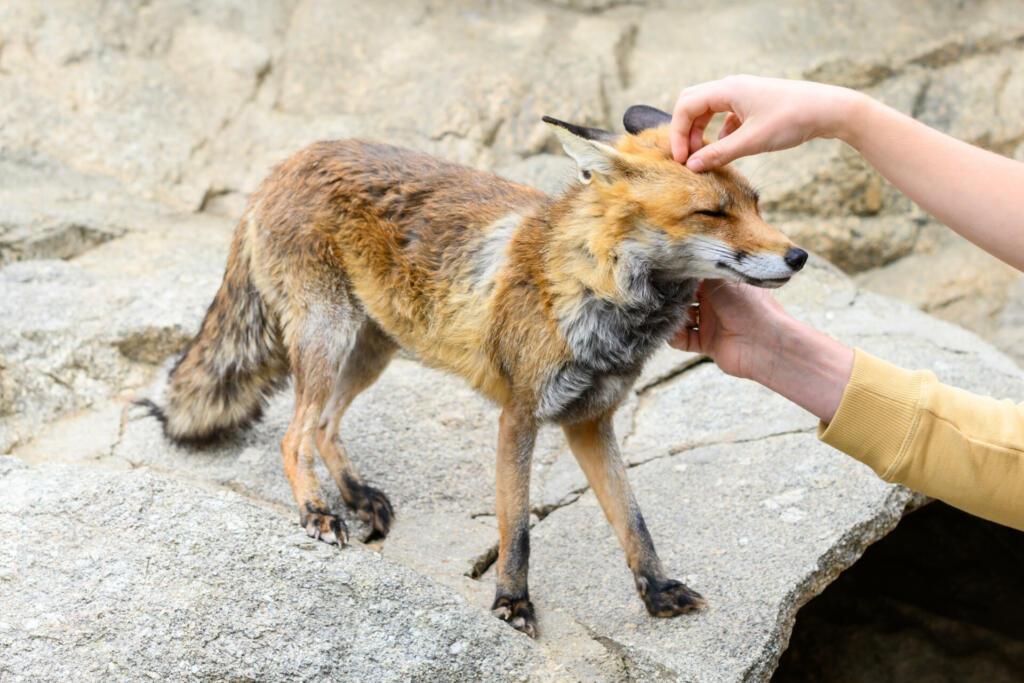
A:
x: 668, y: 597
x: 371, y: 505
x: 323, y: 526
x: 376, y: 509
x: 518, y: 613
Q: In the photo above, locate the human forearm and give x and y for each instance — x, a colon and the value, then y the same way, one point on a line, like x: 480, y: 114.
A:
x: 806, y: 366
x: 975, y: 192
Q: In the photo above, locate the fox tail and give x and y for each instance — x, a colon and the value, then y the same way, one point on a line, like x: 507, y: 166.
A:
x: 225, y: 375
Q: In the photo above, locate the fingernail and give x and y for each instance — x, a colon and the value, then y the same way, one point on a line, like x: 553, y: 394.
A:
x: 695, y: 165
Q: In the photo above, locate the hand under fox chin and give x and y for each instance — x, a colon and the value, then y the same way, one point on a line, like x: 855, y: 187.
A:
x: 547, y: 306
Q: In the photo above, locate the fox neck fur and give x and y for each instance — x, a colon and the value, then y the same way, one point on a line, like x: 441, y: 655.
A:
x: 616, y: 292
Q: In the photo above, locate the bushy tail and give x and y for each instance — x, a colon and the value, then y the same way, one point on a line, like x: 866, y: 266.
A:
x: 225, y: 375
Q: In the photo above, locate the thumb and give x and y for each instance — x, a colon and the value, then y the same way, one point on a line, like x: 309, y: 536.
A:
x: 723, y: 151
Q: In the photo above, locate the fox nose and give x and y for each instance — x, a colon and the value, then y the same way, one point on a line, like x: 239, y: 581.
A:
x: 796, y: 258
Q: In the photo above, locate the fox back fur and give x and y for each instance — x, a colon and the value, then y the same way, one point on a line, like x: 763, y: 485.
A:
x: 547, y: 306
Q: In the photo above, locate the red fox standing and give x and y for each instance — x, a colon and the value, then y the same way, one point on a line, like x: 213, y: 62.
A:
x: 549, y: 307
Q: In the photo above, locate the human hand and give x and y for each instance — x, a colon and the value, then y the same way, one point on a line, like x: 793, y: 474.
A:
x: 736, y: 325
x: 748, y: 334
x: 764, y: 115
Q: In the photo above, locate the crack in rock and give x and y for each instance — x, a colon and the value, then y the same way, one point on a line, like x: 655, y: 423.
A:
x: 844, y: 552
x: 677, y: 450
x: 958, y: 50
x: 686, y: 366
x: 634, y: 668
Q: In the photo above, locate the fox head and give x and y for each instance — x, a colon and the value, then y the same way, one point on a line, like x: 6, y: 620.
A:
x: 685, y: 224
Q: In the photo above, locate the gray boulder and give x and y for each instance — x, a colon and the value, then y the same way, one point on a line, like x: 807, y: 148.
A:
x: 135, y: 576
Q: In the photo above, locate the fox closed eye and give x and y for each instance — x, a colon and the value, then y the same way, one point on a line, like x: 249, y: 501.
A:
x: 713, y: 214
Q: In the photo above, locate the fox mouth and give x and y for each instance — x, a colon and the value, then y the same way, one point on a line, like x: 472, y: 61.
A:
x: 767, y: 283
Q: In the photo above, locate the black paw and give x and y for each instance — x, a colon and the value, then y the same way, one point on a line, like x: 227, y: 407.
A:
x: 323, y: 526
x: 518, y: 613
x: 668, y: 597
x: 374, y: 507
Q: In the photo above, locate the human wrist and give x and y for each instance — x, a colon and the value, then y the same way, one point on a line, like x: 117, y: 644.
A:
x: 805, y: 365
x: 765, y: 341
x: 850, y: 113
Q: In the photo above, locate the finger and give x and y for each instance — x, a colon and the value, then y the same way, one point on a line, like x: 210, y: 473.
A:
x: 693, y: 102
x: 679, y: 127
x: 732, y: 122
x: 697, y: 131
x: 691, y: 316
x: 686, y: 339
x: 739, y: 143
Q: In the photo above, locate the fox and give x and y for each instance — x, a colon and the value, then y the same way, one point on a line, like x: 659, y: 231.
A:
x: 548, y: 306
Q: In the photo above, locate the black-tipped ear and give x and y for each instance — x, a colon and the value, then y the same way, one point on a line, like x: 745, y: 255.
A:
x: 596, y: 134
x: 640, y: 117
x: 593, y: 149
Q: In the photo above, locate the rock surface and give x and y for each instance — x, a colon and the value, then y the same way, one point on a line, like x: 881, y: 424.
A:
x: 744, y: 503
x: 130, y: 135
x: 164, y: 580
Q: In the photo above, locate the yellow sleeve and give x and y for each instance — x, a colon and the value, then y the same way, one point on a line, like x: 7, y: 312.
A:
x: 959, y: 447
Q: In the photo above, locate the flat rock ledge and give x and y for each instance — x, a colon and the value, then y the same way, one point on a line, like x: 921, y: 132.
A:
x: 132, y: 576
x: 136, y: 560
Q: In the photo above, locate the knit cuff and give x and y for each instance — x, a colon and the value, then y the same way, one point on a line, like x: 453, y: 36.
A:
x: 877, y: 414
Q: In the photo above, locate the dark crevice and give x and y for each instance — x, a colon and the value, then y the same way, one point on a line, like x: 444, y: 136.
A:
x: 121, y: 427
x: 938, y: 599
x: 679, y: 449
x: 55, y: 238
x: 920, y: 98
x: 685, y: 367
x: 836, y: 559
x: 482, y: 562
x: 211, y: 194
x: 595, y: 7
x: 633, y: 669
x: 543, y: 511
x: 952, y: 52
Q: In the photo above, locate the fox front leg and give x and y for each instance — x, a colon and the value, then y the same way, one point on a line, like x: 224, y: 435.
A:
x: 517, y: 430
x: 593, y: 443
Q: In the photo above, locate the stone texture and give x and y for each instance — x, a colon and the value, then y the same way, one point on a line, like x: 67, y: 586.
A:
x: 130, y: 136
x: 48, y: 211
x: 812, y: 521
x: 960, y: 283
x: 166, y: 581
x: 736, y: 467
x: 79, y: 332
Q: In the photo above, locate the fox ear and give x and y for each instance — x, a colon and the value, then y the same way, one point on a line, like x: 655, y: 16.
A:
x: 591, y: 148
x: 640, y: 117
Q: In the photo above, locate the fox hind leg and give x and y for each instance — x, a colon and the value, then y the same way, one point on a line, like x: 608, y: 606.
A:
x: 369, y: 356
x: 322, y: 342
x: 299, y: 455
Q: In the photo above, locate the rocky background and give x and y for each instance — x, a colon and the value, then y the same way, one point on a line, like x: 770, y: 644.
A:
x: 131, y: 133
